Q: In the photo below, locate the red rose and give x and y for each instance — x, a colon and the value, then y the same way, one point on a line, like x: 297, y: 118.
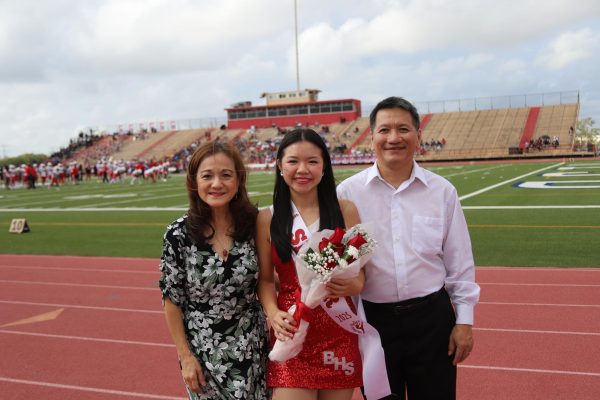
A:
x: 337, y: 236
x: 330, y: 265
x: 339, y: 249
x: 336, y: 241
x: 324, y: 242
x: 357, y: 241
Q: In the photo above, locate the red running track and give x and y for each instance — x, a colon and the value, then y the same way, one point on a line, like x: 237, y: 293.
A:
x: 537, y: 332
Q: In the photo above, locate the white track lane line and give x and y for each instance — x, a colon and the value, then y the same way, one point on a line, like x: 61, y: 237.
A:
x: 536, y: 284
x: 85, y: 338
x: 542, y: 371
x: 537, y: 269
x: 500, y: 303
x: 567, y: 285
x: 121, y: 271
x: 89, y: 389
x: 537, y: 331
x: 130, y: 310
x: 154, y: 289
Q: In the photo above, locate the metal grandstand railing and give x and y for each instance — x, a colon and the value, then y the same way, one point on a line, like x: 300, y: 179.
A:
x: 493, y: 103
x: 424, y: 107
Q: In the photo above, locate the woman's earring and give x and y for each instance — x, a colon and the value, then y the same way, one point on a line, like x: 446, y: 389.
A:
x: 281, y: 173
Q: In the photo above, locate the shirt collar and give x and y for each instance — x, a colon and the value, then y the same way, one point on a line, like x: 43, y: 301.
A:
x: 417, y: 173
x: 372, y: 173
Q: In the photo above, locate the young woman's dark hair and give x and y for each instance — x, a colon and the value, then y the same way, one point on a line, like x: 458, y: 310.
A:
x: 200, y: 213
x: 330, y: 214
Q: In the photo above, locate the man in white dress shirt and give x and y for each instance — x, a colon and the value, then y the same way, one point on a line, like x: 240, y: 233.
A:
x: 420, y: 288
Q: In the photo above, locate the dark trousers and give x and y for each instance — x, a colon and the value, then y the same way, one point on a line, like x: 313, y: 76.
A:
x: 414, y: 335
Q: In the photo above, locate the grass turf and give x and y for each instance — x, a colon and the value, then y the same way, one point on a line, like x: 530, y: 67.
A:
x: 526, y: 236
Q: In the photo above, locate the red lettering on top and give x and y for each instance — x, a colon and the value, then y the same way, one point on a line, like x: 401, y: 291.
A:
x: 298, y: 238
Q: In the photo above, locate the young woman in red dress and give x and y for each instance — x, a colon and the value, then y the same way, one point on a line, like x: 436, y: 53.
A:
x: 329, y: 366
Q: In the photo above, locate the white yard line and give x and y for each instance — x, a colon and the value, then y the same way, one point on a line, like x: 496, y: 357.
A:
x: 476, y: 170
x: 136, y: 200
x: 139, y: 195
x: 93, y: 209
x: 182, y: 208
x: 526, y: 207
x: 466, y: 196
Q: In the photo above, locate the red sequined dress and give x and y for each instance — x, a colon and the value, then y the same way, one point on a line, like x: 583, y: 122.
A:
x: 330, y: 358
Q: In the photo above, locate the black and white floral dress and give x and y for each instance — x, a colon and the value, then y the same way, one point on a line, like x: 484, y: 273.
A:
x: 223, y: 320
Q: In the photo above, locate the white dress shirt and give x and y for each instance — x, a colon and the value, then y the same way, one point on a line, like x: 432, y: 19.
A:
x: 422, y: 235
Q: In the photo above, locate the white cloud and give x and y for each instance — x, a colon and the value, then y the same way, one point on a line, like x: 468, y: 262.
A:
x: 568, y: 48
x: 512, y: 66
x: 421, y: 25
x: 171, y: 35
x: 465, y: 64
x: 66, y: 64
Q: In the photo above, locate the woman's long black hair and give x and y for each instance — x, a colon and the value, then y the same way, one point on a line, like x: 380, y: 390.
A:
x: 330, y: 213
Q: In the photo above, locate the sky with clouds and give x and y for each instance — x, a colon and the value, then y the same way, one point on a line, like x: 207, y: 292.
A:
x: 66, y: 65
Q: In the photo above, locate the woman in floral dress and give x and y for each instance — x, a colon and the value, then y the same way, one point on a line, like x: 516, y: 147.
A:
x: 209, y: 279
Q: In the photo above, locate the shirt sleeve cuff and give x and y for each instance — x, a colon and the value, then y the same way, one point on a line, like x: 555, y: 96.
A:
x: 464, y: 314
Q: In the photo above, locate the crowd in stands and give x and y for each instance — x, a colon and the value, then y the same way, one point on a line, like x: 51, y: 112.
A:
x: 431, y: 146
x: 541, y: 143
x: 92, y: 146
x: 103, y: 149
x: 82, y: 141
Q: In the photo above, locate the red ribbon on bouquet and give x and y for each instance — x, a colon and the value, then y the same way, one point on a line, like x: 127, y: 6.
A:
x: 302, y: 310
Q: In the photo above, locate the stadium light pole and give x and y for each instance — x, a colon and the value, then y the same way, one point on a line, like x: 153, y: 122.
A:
x: 296, y: 37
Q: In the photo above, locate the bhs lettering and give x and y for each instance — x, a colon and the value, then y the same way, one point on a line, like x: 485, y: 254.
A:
x: 329, y: 358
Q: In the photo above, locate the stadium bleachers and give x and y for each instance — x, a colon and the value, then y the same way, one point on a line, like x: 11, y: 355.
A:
x: 158, y: 145
x: 490, y: 133
x: 474, y: 134
x: 557, y: 121
x: 356, y: 135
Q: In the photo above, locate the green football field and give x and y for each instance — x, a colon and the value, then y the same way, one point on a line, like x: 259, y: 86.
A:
x: 519, y: 214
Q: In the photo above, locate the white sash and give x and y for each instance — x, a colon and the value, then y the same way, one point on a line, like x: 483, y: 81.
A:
x: 375, y: 377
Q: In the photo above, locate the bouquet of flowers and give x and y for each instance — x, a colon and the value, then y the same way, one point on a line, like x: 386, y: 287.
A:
x: 327, y: 254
